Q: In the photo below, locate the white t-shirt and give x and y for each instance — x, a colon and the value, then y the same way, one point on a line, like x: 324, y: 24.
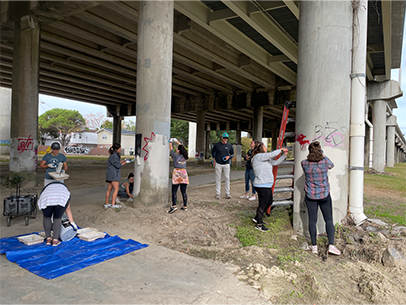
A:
x: 54, y: 194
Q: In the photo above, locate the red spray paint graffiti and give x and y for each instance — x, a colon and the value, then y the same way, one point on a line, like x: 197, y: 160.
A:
x: 301, y: 139
x: 25, y: 144
x: 147, y: 140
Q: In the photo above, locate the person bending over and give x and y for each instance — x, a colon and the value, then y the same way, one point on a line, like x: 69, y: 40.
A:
x: 126, y: 188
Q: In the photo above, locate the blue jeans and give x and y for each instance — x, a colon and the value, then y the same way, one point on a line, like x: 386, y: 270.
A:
x: 249, y: 175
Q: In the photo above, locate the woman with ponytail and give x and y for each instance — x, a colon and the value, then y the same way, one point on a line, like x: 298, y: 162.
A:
x: 179, y: 175
x: 317, y: 189
x: 113, y: 176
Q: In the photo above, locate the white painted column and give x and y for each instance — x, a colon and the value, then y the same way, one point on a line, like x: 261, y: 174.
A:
x: 192, y: 140
x: 323, y: 100
x: 24, y: 105
x: 154, y: 94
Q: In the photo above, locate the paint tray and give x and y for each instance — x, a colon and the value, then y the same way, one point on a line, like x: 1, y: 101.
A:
x: 86, y: 230
x: 60, y: 176
x: 92, y: 236
x: 31, y: 239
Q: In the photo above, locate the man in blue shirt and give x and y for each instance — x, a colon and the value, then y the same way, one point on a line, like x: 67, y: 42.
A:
x: 222, y: 153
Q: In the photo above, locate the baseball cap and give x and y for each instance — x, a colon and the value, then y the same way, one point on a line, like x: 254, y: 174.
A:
x: 225, y: 135
x: 55, y: 146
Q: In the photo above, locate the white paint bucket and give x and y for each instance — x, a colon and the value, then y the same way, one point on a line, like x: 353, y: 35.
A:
x: 67, y: 232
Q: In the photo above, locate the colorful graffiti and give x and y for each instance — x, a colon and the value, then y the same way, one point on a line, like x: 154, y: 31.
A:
x: 301, y: 139
x: 331, y: 134
x: 147, y: 140
x: 25, y: 144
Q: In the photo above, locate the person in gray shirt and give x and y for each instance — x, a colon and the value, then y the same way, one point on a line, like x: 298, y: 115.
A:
x: 222, y: 153
x: 262, y: 163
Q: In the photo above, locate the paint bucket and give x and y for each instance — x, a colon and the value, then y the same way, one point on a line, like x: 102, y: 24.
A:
x: 67, y: 232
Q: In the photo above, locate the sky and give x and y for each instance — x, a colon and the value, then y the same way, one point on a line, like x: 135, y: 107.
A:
x: 49, y: 102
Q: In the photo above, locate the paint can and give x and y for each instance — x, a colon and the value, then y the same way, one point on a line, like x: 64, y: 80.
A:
x: 67, y: 231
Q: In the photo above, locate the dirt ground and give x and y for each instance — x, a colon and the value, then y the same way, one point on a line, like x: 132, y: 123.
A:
x: 283, y: 272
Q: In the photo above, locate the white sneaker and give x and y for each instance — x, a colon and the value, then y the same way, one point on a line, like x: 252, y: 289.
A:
x: 243, y: 197
x: 116, y: 206
x: 118, y: 200
x: 333, y: 250
x: 218, y: 196
x: 106, y: 206
x: 130, y: 199
x: 252, y: 198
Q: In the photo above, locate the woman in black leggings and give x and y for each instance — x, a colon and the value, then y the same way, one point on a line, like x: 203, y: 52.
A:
x: 179, y: 175
x: 317, y: 189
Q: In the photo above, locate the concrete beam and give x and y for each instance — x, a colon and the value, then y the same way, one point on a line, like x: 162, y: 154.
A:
x: 387, y: 36
x: 384, y: 91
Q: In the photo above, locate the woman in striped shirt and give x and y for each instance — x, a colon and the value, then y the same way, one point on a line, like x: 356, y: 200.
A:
x: 317, y: 189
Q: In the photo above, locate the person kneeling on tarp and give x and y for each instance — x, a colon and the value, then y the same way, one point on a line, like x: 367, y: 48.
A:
x: 53, y: 201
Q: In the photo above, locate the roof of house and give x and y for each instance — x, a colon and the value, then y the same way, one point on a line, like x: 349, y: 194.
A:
x: 123, y: 131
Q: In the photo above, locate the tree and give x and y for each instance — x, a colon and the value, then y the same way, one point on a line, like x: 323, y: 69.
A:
x: 59, y: 123
x: 94, y: 120
x: 107, y: 124
x: 129, y: 125
x: 180, y: 130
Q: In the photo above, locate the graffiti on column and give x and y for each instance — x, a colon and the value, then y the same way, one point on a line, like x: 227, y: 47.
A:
x: 301, y: 139
x: 147, y: 140
x: 70, y: 150
x: 331, y: 134
x: 25, y: 144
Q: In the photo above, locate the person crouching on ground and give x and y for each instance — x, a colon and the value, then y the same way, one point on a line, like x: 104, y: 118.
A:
x: 262, y: 163
x: 53, y: 201
x: 317, y: 189
x: 113, y: 175
x: 222, y: 153
x: 126, y: 188
x: 179, y: 175
x: 249, y: 174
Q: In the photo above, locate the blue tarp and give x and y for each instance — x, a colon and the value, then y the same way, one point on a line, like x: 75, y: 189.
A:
x: 50, y: 262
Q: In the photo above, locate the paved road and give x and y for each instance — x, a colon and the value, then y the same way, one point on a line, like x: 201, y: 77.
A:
x: 154, y: 275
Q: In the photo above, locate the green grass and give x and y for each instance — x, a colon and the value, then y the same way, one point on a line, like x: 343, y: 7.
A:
x: 388, y: 213
x: 396, y: 182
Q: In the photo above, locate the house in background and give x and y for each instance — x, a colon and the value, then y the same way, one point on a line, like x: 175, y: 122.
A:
x: 84, y: 138
x: 105, y: 139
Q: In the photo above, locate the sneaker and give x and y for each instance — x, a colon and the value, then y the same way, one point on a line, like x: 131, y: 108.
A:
x: 228, y: 196
x: 314, y: 249
x: 130, y: 199
x: 252, y: 198
x: 333, y: 250
x: 243, y: 197
x: 255, y: 221
x: 106, y: 206
x: 116, y: 206
x: 261, y: 228
x: 118, y: 200
x: 218, y: 196
x: 184, y: 208
x: 172, y: 210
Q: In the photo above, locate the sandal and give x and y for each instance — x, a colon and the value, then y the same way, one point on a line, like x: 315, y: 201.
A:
x: 55, y: 242
x: 48, y: 241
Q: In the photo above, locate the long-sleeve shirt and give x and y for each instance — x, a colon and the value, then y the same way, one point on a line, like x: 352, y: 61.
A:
x: 248, y: 164
x: 316, y: 182
x: 220, y: 151
x: 262, y: 164
x: 113, y: 172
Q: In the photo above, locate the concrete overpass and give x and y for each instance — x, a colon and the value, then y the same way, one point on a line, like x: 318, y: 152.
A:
x: 222, y: 64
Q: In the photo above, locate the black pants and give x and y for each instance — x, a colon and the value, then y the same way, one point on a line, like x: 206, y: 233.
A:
x: 327, y: 211
x: 175, y: 193
x: 265, y: 199
x: 57, y: 211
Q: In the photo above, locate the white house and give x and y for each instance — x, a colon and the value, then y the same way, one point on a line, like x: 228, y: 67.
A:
x: 83, y: 138
x: 105, y: 139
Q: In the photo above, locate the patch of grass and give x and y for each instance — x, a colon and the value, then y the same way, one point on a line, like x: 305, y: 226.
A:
x: 241, y: 168
x: 396, y: 182
x: 4, y: 160
x: 390, y: 214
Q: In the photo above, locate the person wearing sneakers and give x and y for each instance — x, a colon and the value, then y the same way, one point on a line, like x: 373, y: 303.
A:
x: 249, y: 174
x: 317, y: 189
x: 126, y: 188
x: 179, y: 175
x: 262, y: 163
x: 113, y: 175
x: 222, y: 153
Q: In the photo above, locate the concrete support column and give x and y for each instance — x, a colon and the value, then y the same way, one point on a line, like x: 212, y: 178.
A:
x: 323, y: 100
x: 275, y: 135
x: 117, y: 129
x: 258, y: 122
x: 200, y: 136
x: 207, y: 143
x: 238, y: 135
x: 390, y: 141
x: 192, y: 140
x: 379, y: 122
x: 154, y: 95
x: 5, y: 120
x: 24, y: 105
